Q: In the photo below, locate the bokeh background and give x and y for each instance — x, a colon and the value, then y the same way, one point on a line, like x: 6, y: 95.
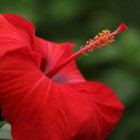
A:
x: 118, y: 65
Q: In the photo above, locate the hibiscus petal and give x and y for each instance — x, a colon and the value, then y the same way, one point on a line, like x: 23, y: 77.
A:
x: 21, y: 24
x: 13, y: 37
x: 104, y: 107
x: 19, y: 96
x: 17, y: 32
x: 55, y: 53
x: 36, y: 107
x: 39, y: 109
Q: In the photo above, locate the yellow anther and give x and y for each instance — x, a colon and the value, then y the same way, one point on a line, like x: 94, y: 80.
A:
x: 103, y: 33
x: 102, y: 39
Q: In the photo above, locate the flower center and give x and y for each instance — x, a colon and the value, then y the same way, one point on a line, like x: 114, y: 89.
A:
x: 102, y: 39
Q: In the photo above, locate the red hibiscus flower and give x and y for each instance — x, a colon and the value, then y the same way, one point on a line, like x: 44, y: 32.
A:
x: 42, y: 93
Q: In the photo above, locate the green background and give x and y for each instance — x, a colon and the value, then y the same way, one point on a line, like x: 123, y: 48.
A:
x: 118, y: 66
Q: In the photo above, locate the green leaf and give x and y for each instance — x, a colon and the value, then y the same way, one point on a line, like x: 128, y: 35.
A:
x: 5, y: 132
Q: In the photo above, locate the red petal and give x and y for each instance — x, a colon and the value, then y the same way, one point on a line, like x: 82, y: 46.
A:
x: 17, y: 32
x: 39, y: 109
x: 54, y: 53
x: 33, y: 104
x: 21, y: 24
x: 36, y: 107
x: 103, y: 107
x: 14, y: 33
x: 21, y: 93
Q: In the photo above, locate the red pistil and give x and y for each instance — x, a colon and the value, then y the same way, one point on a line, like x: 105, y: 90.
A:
x: 102, y: 39
x: 121, y: 28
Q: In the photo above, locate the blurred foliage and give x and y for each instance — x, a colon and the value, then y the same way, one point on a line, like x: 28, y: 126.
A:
x: 118, y: 66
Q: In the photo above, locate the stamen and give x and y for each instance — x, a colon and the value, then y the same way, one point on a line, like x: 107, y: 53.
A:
x: 102, y: 39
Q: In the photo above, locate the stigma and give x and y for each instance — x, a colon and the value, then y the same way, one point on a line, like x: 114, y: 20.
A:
x: 104, y: 38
